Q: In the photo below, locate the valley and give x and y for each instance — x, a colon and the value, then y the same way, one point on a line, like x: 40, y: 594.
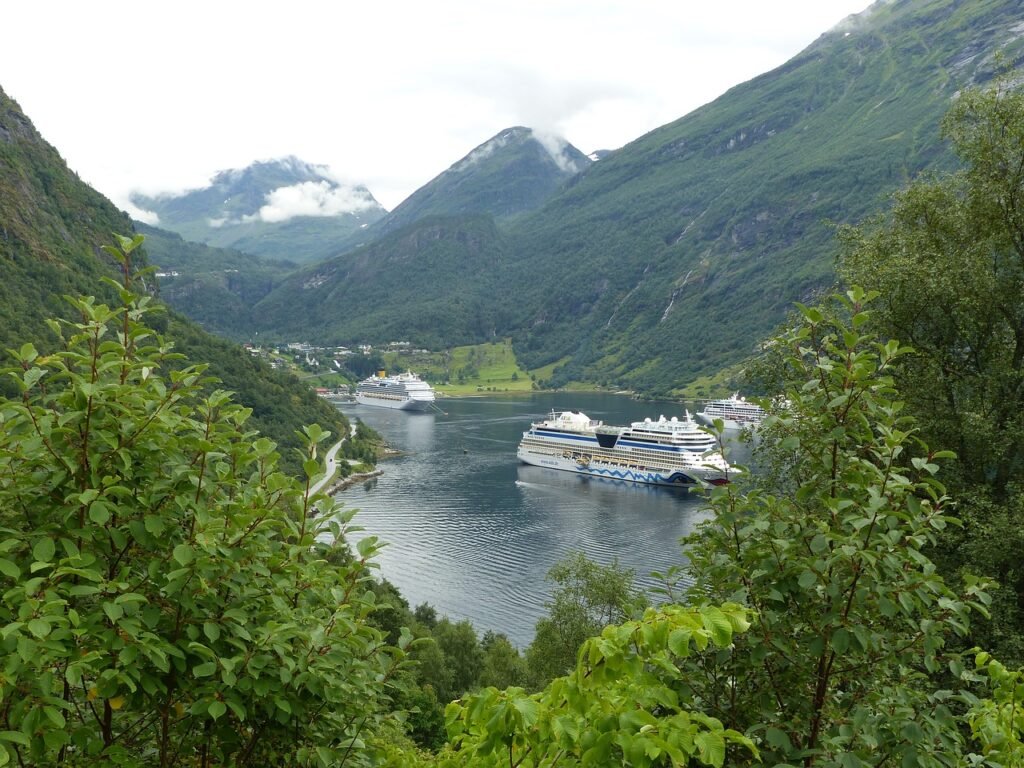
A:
x: 204, y: 563
x: 666, y: 262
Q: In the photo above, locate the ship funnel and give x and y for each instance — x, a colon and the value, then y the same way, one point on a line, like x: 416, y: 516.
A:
x: 380, y: 374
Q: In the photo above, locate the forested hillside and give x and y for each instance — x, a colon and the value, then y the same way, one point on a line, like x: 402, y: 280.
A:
x: 52, y: 227
x: 677, y: 255
x: 215, y: 287
x: 170, y: 598
x: 433, y: 282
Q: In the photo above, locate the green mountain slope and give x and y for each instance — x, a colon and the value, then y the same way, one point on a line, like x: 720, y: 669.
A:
x: 674, y: 256
x: 429, y: 274
x: 407, y: 286
x: 281, y: 209
x: 51, y: 228
x: 681, y: 251
x: 215, y: 287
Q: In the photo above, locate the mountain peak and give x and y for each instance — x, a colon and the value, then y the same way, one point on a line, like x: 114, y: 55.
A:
x: 565, y: 157
x: 238, y: 205
x: 513, y: 172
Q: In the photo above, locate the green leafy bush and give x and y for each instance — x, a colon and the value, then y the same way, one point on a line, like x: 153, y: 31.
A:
x: 166, y: 595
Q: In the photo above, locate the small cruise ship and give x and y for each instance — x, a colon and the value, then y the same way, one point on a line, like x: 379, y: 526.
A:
x: 734, y: 411
x: 673, y: 452
x: 404, y: 392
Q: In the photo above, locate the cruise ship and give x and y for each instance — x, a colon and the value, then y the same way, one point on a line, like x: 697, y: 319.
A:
x: 673, y: 452
x: 404, y: 392
x: 734, y: 411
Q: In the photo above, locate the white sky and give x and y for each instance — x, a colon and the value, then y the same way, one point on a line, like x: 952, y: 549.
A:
x: 159, y: 96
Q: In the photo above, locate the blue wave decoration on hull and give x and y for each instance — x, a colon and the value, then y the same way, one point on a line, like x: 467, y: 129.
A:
x: 676, y: 478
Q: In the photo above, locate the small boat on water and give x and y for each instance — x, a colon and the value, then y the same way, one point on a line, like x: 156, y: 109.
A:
x: 734, y: 411
x: 404, y: 392
x: 673, y: 452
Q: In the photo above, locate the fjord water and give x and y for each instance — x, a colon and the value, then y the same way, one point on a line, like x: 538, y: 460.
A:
x: 473, y: 532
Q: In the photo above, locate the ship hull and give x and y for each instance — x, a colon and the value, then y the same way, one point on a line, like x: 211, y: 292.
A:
x: 731, y: 425
x: 394, y: 403
x: 611, y: 467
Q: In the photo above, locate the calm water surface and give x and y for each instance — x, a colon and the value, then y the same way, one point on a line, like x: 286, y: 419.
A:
x: 473, y: 532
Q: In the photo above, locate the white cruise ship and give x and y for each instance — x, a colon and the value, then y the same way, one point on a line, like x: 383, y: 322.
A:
x: 404, y: 392
x: 734, y: 411
x: 673, y: 452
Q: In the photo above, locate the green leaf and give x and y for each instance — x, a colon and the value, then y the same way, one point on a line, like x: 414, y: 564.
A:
x: 114, y: 612
x: 55, y: 716
x: 9, y: 569
x: 154, y: 524
x: 840, y: 641
x: 679, y: 642
x: 529, y: 710
x: 183, y: 554
x: 205, y: 670
x: 27, y: 353
x: 99, y: 513
x: 216, y: 709
x: 711, y: 747
x: 39, y: 627
x: 44, y: 550
x: 778, y: 739
x: 367, y: 546
x: 718, y: 624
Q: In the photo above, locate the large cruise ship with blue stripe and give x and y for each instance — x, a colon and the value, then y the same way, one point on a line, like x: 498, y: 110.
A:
x: 674, y: 452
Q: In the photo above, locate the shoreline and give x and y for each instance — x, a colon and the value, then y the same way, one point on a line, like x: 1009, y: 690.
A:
x: 442, y: 395
x: 343, y: 483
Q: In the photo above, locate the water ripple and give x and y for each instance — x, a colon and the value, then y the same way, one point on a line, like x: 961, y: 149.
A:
x: 474, y: 533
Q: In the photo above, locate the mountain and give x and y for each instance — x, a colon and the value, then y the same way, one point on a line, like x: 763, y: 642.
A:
x: 676, y: 255
x: 282, y: 209
x: 52, y: 227
x: 445, y: 233
x: 376, y: 293
x: 215, y: 287
x: 514, y: 172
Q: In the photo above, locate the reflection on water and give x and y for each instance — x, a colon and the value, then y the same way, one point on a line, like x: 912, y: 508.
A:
x: 474, y: 532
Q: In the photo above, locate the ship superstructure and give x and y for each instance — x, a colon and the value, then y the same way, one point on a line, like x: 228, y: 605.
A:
x: 734, y: 411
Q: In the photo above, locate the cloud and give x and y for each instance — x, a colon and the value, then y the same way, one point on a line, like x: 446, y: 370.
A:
x: 555, y: 147
x: 141, y: 214
x: 311, y: 198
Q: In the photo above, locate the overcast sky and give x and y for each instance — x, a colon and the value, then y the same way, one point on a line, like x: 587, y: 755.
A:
x: 159, y: 96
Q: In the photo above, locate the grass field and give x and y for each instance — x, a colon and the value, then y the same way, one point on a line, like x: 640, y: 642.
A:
x: 485, y: 368
x: 721, y: 384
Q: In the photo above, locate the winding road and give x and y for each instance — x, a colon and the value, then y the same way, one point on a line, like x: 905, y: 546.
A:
x: 331, y: 463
